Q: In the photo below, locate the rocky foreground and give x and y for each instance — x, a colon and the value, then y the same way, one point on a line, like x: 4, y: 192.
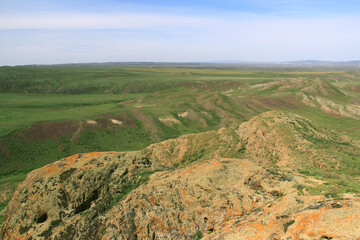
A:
x: 243, y: 182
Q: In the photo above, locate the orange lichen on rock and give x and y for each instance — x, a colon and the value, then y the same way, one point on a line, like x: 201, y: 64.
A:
x: 70, y: 161
x: 253, y: 193
x: 332, y: 222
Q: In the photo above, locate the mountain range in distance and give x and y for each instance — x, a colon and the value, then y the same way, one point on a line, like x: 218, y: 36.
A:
x: 354, y: 64
x: 296, y: 63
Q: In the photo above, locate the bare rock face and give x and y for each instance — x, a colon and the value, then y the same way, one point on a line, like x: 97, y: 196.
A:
x: 329, y: 220
x: 204, y: 197
x: 274, y: 137
x: 63, y: 200
x: 288, y: 140
x: 229, y: 199
x: 240, y: 182
x: 311, y: 219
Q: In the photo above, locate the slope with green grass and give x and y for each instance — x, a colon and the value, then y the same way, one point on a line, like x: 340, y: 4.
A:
x: 257, y: 178
x: 50, y: 113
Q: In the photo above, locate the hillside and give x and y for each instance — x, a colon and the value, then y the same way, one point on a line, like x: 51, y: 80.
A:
x: 47, y: 114
x: 55, y: 112
x: 278, y: 175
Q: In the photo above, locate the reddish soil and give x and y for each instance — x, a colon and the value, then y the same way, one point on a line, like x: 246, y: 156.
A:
x: 41, y: 131
x: 275, y: 103
x: 4, y: 149
x: 355, y: 89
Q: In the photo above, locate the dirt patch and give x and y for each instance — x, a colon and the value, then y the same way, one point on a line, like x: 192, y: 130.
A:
x: 148, y: 123
x: 353, y: 109
x: 334, y: 109
x: 349, y: 130
x: 278, y: 102
x: 117, y: 122
x: 4, y: 149
x: 145, y: 105
x: 196, y: 117
x: 169, y: 121
x: 109, y: 91
x: 305, y: 99
x: 330, y: 111
x: 60, y: 88
x: 91, y: 122
x: 125, y: 119
x: 42, y: 131
x: 212, y: 102
x: 355, y: 89
x: 183, y: 114
x: 77, y: 134
x: 126, y: 102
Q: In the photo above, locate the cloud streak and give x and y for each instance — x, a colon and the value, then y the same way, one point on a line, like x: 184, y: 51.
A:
x: 72, y: 36
x: 49, y: 21
x: 128, y: 21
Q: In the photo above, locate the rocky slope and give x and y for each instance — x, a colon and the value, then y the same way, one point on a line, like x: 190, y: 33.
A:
x: 241, y: 182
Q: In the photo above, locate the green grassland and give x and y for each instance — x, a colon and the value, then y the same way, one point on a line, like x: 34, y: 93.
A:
x: 50, y: 113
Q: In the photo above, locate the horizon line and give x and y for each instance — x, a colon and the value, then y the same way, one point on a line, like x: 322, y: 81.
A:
x: 227, y: 62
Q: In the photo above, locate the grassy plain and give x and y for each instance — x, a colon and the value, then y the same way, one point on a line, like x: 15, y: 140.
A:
x: 50, y: 113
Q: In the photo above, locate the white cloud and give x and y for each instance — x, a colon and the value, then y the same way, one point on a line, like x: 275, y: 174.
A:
x: 254, y: 25
x: 78, y: 37
x: 46, y: 21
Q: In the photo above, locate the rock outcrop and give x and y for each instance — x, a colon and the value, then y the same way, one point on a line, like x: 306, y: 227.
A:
x: 241, y: 182
x: 63, y: 199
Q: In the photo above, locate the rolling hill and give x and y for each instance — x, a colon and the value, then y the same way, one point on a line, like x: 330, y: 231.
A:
x: 260, y: 179
x: 299, y: 125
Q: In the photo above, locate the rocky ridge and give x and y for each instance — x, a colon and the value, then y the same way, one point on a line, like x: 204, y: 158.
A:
x: 241, y: 182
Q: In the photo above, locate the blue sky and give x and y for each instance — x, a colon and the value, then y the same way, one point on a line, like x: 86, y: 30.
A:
x: 46, y: 32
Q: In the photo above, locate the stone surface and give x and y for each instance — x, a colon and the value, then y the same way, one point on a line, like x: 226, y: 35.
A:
x: 206, y: 197
x: 240, y: 182
x: 64, y: 199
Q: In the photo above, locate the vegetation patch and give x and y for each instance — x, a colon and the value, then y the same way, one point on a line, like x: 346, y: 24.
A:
x: 3, y: 205
x: 139, y: 179
x: 288, y: 224
x: 198, y: 235
x: 49, y: 113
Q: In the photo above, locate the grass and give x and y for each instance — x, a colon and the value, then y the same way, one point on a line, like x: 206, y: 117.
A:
x: 139, y: 179
x: 18, y: 110
x: 198, y: 235
x: 335, y: 184
x: 3, y: 205
x: 344, y: 125
x: 31, y: 99
x: 15, y: 178
x: 44, y: 114
x: 288, y: 224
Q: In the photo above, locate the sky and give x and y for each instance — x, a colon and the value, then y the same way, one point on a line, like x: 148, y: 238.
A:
x: 81, y: 31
